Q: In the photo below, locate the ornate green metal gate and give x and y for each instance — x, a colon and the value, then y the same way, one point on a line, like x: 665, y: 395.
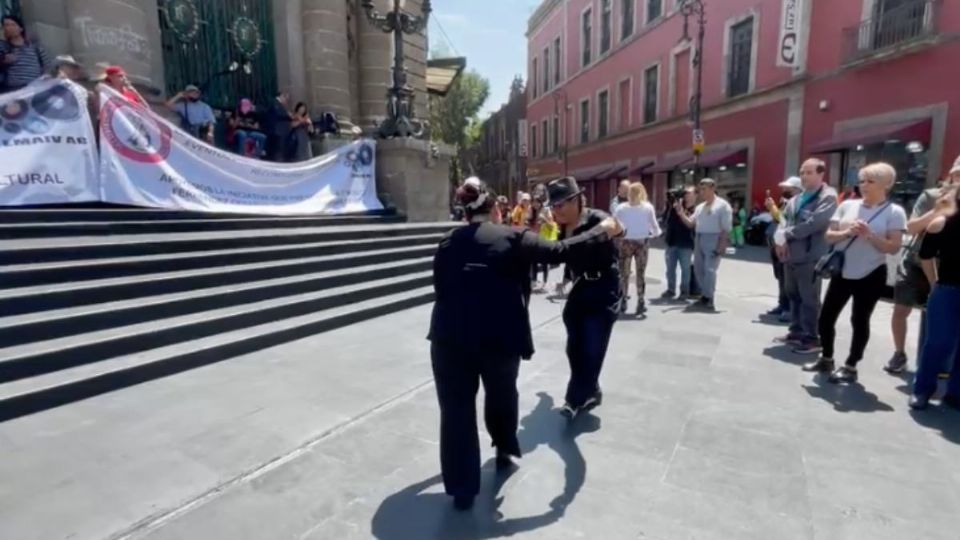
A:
x: 225, y: 47
x: 10, y: 7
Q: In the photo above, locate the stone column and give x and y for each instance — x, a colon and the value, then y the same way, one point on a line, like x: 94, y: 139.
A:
x: 374, y: 60
x: 122, y: 32
x: 288, y: 34
x: 326, y: 56
x: 413, y: 176
x: 47, y: 23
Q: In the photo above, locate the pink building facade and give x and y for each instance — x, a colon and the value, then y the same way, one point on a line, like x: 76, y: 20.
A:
x: 610, y: 85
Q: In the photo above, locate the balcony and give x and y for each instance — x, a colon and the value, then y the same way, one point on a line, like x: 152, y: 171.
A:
x: 891, y: 29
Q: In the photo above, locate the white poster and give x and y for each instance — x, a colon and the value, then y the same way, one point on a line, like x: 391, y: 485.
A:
x: 788, y: 48
x: 47, y: 149
x: 147, y: 161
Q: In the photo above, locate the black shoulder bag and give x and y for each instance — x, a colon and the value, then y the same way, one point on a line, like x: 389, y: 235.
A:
x: 831, y: 265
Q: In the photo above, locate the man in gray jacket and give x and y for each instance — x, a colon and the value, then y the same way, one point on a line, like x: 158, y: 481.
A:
x: 800, y: 243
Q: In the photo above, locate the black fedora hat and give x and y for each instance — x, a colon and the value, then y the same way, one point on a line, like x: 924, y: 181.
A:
x: 562, y: 189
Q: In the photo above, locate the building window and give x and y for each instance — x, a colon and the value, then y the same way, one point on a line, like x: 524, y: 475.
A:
x: 651, y: 94
x: 741, y: 49
x: 556, y: 61
x: 623, y: 104
x: 586, y: 37
x: 654, y: 10
x: 546, y: 138
x: 606, y: 24
x: 555, y: 135
x: 626, y: 18
x: 584, y: 121
x: 534, y: 77
x: 546, y: 70
x: 533, y: 140
x: 603, y: 114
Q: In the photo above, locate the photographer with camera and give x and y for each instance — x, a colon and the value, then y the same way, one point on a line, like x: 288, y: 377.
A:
x: 680, y: 240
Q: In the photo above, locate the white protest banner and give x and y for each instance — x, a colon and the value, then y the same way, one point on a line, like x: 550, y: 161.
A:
x: 47, y: 149
x: 788, y: 48
x: 147, y: 161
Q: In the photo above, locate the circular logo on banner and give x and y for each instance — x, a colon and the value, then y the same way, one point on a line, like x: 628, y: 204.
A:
x: 183, y: 18
x: 133, y: 133
x: 246, y: 36
x: 362, y: 157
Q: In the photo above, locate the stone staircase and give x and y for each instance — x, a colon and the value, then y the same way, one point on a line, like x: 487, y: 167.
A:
x: 93, y: 300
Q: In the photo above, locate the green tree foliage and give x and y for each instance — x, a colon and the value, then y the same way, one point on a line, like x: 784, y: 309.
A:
x: 454, y: 118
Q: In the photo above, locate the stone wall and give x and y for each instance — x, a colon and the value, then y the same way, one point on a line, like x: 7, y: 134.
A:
x: 413, y: 176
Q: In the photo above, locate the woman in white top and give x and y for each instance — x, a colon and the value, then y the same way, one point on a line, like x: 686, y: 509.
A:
x: 639, y: 218
x: 866, y: 230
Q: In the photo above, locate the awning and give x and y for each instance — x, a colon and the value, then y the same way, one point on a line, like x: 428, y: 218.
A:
x: 903, y: 131
x: 591, y: 173
x: 617, y: 173
x: 670, y: 164
x: 730, y: 157
x: 641, y: 169
x: 442, y: 72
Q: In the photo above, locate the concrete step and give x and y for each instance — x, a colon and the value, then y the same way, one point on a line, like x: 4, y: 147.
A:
x: 37, y: 250
x: 79, y: 319
x: 111, y: 213
x: 154, y: 226
x: 36, y: 298
x: 27, y: 396
x: 37, y: 358
x: 22, y: 275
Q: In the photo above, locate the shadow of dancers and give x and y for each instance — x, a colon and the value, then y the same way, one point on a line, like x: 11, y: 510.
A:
x: 411, y: 513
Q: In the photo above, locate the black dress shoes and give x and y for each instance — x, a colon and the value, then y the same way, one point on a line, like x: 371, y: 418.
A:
x: 820, y: 365
x: 504, y: 461
x: 844, y: 374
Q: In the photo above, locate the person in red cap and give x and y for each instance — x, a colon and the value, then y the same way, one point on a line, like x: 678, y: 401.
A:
x: 116, y: 78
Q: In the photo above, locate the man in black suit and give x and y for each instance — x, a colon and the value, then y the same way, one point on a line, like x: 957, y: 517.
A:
x: 480, y: 329
x: 593, y: 304
x: 278, y: 127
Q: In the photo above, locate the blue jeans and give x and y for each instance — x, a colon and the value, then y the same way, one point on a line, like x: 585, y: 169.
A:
x: 681, y: 256
x: 942, y: 342
x: 259, y: 139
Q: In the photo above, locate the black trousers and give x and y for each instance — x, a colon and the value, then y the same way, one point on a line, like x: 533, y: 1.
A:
x: 865, y: 293
x: 588, y: 335
x: 457, y: 374
x: 783, y: 302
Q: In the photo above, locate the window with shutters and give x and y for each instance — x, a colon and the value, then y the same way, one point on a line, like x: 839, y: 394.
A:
x: 606, y: 24
x: 603, y: 114
x: 535, y: 77
x: 626, y: 18
x: 651, y: 94
x: 546, y: 70
x: 654, y: 10
x: 741, y: 49
x: 586, y: 37
x: 585, y: 121
x: 556, y: 61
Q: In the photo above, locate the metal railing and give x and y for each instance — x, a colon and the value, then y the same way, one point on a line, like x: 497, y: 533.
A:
x: 908, y: 22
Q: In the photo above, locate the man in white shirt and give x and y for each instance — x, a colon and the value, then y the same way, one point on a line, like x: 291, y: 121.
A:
x: 712, y: 221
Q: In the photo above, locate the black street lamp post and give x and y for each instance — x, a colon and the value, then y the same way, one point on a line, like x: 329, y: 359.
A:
x: 695, y: 8
x: 401, y: 119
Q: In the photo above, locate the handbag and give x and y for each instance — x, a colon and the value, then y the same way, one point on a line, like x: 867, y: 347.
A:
x: 831, y: 265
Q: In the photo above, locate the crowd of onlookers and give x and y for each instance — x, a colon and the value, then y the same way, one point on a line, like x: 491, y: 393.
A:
x: 277, y: 133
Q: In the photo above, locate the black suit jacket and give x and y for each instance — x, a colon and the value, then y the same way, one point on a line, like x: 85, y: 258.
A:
x: 481, y: 275
x: 278, y: 120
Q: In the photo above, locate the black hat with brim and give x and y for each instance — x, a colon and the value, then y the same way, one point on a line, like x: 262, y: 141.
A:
x: 562, y: 190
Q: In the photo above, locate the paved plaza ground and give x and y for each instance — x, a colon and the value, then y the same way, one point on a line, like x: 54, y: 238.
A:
x: 708, y: 431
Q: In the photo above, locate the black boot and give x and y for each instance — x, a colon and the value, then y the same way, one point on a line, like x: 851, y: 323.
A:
x: 641, y: 307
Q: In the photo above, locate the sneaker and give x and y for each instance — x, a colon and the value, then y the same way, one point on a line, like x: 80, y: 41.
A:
x: 844, y: 374
x: 808, y: 346
x: 708, y: 305
x: 785, y: 317
x: 593, y: 401
x: 897, y: 364
x: 821, y: 365
x: 794, y: 340
x: 918, y: 402
x: 667, y: 295
x: 684, y: 297
x: 568, y: 411
x: 776, y: 312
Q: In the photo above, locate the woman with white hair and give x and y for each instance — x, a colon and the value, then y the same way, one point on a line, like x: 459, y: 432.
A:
x: 639, y: 218
x: 866, y: 230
